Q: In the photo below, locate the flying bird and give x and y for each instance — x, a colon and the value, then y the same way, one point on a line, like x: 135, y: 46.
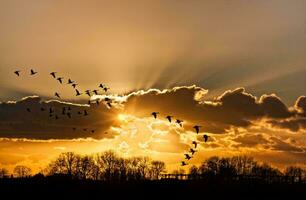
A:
x: 95, y: 91
x: 205, y: 138
x: 17, y: 72
x: 92, y: 131
x: 195, y: 144
x: 33, y: 72
x: 85, y: 113
x: 53, y: 74
x: 77, y: 92
x: 74, y: 85
x: 197, y: 128
x: 57, y: 95
x: 183, y: 163
x: 60, y: 79
x: 101, y: 85
x: 105, y: 89
x: 192, y: 151
x: 179, y: 122
x: 88, y: 92
x: 109, y: 104
x: 187, y: 156
x: 169, y: 118
x: 70, y: 81
x: 155, y: 114
x: 97, y: 102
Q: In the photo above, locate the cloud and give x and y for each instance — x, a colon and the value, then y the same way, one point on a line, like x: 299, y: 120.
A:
x: 17, y: 122
x: 233, y: 109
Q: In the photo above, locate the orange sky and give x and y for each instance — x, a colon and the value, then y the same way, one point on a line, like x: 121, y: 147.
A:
x: 199, y: 55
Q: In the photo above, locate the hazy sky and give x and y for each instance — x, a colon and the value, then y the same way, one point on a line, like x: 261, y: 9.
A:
x: 219, y: 47
x: 130, y: 45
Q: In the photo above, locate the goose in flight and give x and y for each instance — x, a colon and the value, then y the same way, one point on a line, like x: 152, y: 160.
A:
x: 197, y: 128
x: 53, y: 74
x: 105, y: 89
x: 60, y: 79
x: 33, y: 72
x: 85, y: 113
x: 195, y: 144
x: 17, y: 72
x: 187, y: 156
x: 57, y: 95
x: 169, y: 118
x: 70, y: 81
x: 101, y: 85
x: 77, y: 92
x: 183, y: 163
x: 74, y: 85
x: 205, y: 138
x: 88, y: 92
x: 155, y: 114
x: 179, y: 122
x: 192, y: 151
x: 95, y: 91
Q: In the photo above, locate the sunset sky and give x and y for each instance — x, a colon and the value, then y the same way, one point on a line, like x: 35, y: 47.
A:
x: 237, y: 68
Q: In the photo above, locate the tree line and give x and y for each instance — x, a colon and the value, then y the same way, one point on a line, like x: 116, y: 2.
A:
x: 108, y: 166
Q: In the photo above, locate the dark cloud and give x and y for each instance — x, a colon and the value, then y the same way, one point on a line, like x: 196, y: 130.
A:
x: 233, y: 108
x: 17, y: 122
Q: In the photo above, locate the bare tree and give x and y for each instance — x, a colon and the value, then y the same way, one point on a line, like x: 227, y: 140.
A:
x: 21, y: 171
x: 3, y: 173
x: 295, y: 172
x: 157, y: 167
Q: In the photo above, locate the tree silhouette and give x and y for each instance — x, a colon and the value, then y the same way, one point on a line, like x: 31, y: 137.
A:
x: 21, y: 171
x: 157, y: 167
x: 3, y: 173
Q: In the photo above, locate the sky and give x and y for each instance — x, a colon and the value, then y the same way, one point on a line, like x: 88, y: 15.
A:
x: 237, y: 68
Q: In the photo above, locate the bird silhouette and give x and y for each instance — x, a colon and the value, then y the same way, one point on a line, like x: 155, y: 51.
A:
x: 192, y: 151
x: 105, y: 89
x: 85, y: 113
x: 57, y: 95
x: 97, y: 102
x: 179, y: 122
x: 106, y: 99
x: 77, y: 92
x: 60, y: 79
x: 101, y: 85
x: 197, y: 128
x: 187, y: 156
x: 53, y: 74
x: 33, y: 72
x: 92, y: 131
x: 195, y: 144
x: 74, y: 85
x: 95, y: 91
x: 70, y: 81
x: 183, y: 163
x: 17, y: 72
x: 155, y: 114
x: 205, y: 138
x: 109, y: 104
x: 169, y: 118
x: 87, y: 92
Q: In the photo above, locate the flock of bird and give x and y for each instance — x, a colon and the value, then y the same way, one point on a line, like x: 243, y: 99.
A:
x: 67, y: 111
x: 191, y: 151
